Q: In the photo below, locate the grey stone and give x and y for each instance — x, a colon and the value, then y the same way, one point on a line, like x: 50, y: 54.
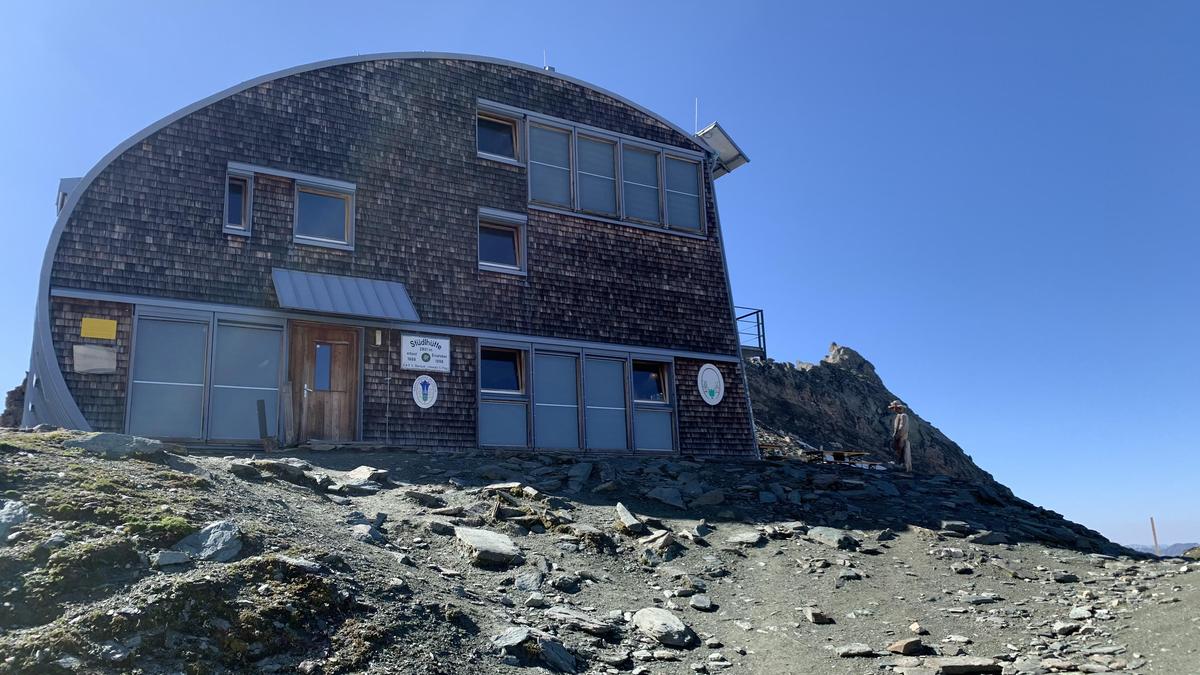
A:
x: 244, y: 471
x: 855, y: 649
x: 488, y: 548
x: 627, y: 521
x: 747, y: 538
x: 219, y: 541
x: 365, y: 474
x: 536, y: 600
x: 423, y: 498
x: 816, y: 616
x: 667, y: 495
x: 833, y: 537
x: 168, y: 558
x: 962, y: 527
x: 119, y: 446
x: 571, y: 618
x: 12, y: 513
x: 366, y: 532
x: 907, y: 646
x: 710, y: 498
x: 310, y: 566
x: 664, y: 627
x: 963, y: 665
x: 1079, y: 613
x: 989, y: 538
x: 1066, y: 627
x: 702, y: 603
x: 1065, y: 578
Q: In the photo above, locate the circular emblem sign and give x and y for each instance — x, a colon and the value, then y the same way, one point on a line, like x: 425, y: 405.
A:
x: 424, y: 391
x: 711, y: 384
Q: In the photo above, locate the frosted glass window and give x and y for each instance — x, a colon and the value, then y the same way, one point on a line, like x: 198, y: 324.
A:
x: 167, y: 391
x: 683, y: 194
x: 245, y: 371
x: 550, y: 165
x: 640, y: 177
x: 503, y: 423
x: 556, y: 401
x: 597, y: 176
x: 652, y: 430
x: 604, y: 399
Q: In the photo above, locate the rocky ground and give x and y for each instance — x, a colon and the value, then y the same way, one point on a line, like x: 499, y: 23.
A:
x: 116, y: 556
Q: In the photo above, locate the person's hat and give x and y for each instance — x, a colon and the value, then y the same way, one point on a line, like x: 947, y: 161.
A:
x: 896, y: 405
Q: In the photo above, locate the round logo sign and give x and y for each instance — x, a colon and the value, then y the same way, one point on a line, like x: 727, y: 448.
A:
x: 711, y: 384
x: 424, y: 391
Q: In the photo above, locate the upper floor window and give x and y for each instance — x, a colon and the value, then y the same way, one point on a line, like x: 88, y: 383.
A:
x: 640, y: 170
x: 649, y: 381
x: 501, y: 241
x: 497, y: 136
x: 238, y: 188
x: 683, y: 193
x: 583, y: 169
x: 550, y: 165
x: 324, y: 217
x: 597, y: 176
x: 501, y: 370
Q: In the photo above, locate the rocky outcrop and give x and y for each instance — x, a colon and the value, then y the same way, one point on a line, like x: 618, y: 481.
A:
x: 841, y: 403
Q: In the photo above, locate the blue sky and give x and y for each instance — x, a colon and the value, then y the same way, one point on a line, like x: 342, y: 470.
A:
x: 996, y: 203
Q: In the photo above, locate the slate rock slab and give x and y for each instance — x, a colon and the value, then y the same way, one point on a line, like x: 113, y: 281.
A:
x: 169, y: 558
x: 833, y: 537
x: 120, y: 446
x: 855, y: 650
x: 219, y: 541
x: 664, y: 627
x: 532, y: 645
x: 964, y: 665
x: 627, y: 522
x: 667, y: 495
x: 488, y: 548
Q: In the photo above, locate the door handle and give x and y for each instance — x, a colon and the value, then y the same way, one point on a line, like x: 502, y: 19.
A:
x: 306, y: 391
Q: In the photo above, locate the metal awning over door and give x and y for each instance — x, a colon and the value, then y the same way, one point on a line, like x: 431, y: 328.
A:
x: 343, y: 295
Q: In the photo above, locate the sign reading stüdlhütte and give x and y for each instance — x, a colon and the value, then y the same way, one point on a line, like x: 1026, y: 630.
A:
x: 420, y: 352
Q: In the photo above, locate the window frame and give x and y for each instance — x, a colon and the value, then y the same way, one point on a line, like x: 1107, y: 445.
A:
x: 517, y: 124
x: 664, y: 375
x: 504, y: 397
x: 572, y: 192
x: 497, y: 219
x: 618, y: 197
x: 348, y: 199
x: 247, y: 226
x: 526, y: 117
x: 666, y: 209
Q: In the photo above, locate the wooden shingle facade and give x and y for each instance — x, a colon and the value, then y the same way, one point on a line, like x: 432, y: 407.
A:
x: 569, y: 294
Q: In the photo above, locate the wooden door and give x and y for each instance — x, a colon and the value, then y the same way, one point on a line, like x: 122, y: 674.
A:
x: 324, y: 373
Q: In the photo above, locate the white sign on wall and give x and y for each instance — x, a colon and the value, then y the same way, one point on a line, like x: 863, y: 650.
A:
x: 711, y: 384
x: 425, y: 391
x: 420, y: 352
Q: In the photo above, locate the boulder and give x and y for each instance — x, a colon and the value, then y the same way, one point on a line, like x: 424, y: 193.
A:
x: 488, y: 548
x: 574, y: 619
x: 168, y: 558
x: 833, y: 537
x: 907, y: 646
x: 12, y: 513
x: 701, y: 603
x: 534, y: 646
x: 664, y: 627
x: 219, y: 541
x: 710, y: 498
x: 120, y: 446
x: 367, y: 533
x: 747, y: 538
x: 989, y: 538
x: 667, y: 495
x: 627, y: 522
x: 365, y: 474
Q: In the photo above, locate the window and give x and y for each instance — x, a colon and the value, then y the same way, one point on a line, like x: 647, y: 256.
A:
x: 500, y: 370
x: 496, y: 136
x: 649, y: 382
x: 322, y: 367
x: 323, y: 217
x: 604, y: 404
x: 683, y: 193
x: 597, y: 176
x: 503, y: 403
x: 501, y: 241
x: 556, y: 401
x: 550, y: 165
x: 169, y: 364
x: 640, y: 169
x: 238, y: 189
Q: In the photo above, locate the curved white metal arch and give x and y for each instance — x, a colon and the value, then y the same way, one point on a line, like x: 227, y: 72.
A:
x: 47, y: 398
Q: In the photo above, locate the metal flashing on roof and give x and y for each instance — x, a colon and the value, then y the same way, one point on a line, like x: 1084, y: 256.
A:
x: 65, y: 187
x: 729, y: 155
x: 346, y: 296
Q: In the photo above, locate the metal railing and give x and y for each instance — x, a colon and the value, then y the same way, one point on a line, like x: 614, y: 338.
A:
x: 752, y: 331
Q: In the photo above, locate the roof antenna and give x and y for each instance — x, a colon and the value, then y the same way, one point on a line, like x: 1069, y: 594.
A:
x: 543, y: 59
x: 696, y: 118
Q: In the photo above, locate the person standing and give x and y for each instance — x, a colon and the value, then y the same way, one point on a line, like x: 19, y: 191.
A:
x: 900, y: 435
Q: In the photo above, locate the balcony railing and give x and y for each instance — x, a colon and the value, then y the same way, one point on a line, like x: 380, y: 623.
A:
x: 752, y: 332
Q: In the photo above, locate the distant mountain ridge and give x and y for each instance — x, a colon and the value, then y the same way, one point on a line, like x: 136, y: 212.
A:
x: 1172, y: 550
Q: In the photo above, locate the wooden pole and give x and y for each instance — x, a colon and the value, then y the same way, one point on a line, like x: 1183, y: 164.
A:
x: 1154, y: 533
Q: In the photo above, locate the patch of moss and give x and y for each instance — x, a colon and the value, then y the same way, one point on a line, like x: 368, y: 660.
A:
x: 165, y: 531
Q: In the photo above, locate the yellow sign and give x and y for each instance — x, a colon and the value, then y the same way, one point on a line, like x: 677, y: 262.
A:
x: 104, y: 329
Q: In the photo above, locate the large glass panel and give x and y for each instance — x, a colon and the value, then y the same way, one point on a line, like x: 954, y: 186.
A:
x: 167, y: 394
x: 604, y: 400
x: 649, y: 382
x: 652, y: 430
x: 500, y: 370
x: 236, y: 203
x: 556, y: 401
x: 322, y: 215
x: 550, y: 165
x: 245, y: 371
x: 597, y: 176
x: 497, y: 137
x: 640, y: 175
x: 683, y: 193
x: 498, y: 245
x: 503, y: 423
